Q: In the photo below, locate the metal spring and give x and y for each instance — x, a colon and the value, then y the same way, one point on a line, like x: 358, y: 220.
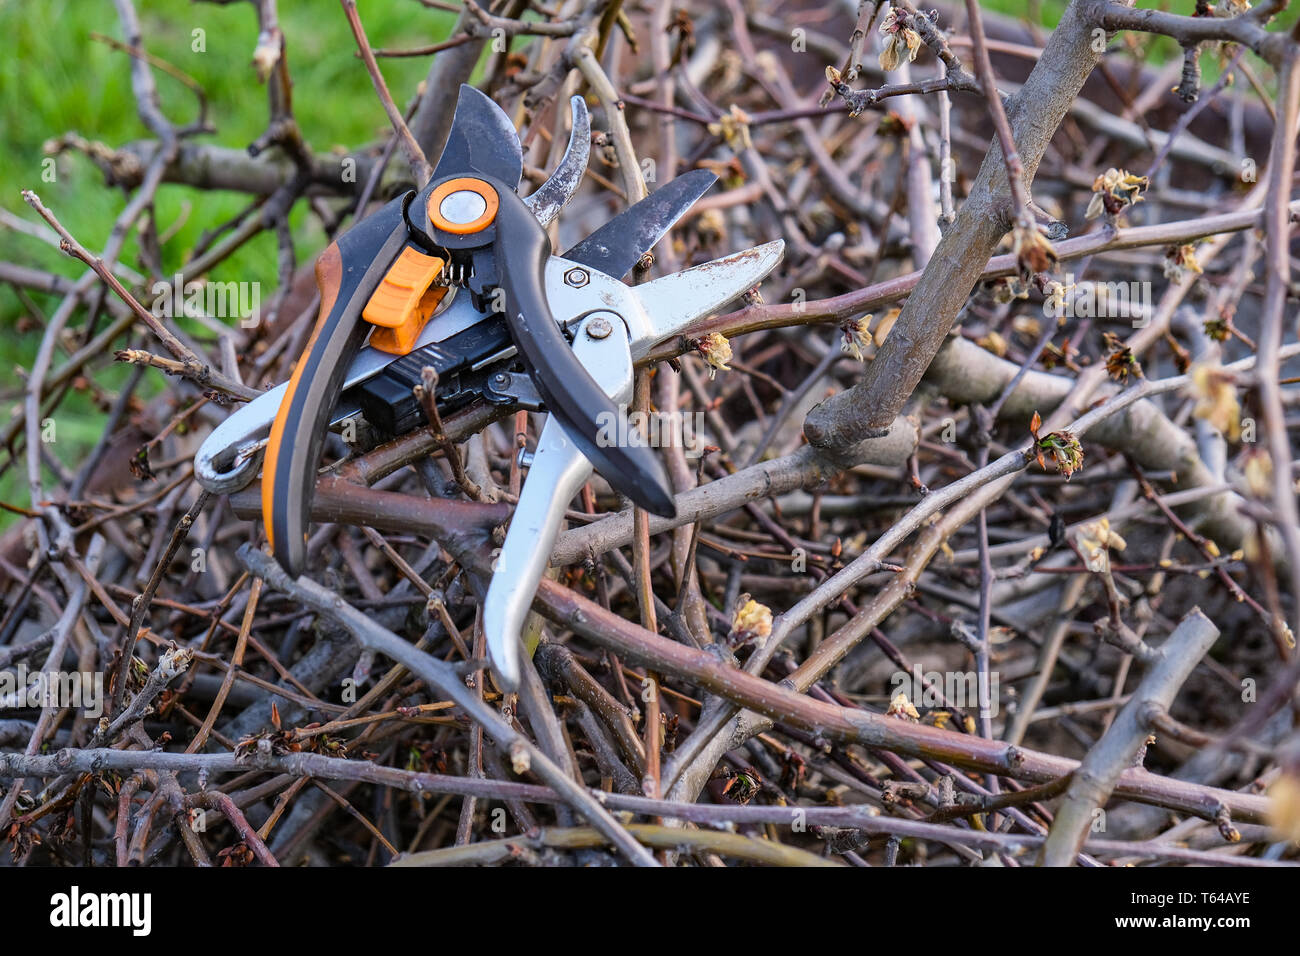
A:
x: 453, y: 274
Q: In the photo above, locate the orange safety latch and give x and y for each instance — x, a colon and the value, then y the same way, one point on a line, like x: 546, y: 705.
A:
x: 404, y: 301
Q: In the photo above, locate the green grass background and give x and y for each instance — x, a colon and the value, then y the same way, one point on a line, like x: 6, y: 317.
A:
x: 55, y: 79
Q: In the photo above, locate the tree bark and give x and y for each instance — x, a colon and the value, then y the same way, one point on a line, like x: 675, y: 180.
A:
x: 860, y: 412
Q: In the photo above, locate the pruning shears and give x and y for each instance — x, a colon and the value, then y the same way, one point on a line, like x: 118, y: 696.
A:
x: 459, y: 276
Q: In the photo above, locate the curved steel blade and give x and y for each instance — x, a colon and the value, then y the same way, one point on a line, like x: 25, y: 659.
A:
x: 675, y: 301
x: 554, y: 194
x: 482, y: 139
x: 618, y: 245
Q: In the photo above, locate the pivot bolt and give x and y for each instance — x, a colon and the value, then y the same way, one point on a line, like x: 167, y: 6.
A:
x: 577, y: 278
x: 462, y: 207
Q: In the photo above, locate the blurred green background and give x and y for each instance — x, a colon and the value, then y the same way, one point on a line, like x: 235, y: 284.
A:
x: 57, y: 79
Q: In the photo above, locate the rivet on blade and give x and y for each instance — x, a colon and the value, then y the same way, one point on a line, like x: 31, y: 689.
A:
x: 599, y: 327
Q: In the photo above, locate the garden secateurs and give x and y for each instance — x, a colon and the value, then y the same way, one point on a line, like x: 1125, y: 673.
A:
x: 459, y: 277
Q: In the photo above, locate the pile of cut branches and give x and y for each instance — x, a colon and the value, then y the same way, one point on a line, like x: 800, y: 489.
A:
x: 986, y: 547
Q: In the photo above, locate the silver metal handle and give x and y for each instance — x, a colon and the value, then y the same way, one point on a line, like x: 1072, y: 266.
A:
x: 558, y: 471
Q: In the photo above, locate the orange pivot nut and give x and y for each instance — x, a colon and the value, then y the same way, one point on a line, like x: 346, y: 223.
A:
x: 404, y: 301
x: 463, y: 206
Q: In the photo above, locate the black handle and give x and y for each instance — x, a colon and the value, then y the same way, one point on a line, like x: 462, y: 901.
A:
x: 570, y: 393
x: 347, y: 274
